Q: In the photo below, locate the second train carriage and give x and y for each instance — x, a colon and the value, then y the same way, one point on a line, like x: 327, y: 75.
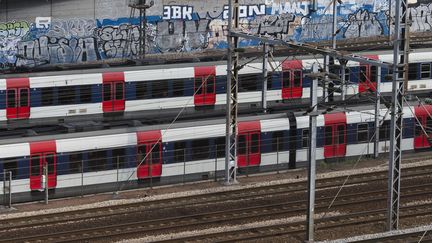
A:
x: 42, y: 98
x: 104, y: 157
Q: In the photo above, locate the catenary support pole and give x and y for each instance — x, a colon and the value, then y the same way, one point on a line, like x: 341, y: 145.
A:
x: 232, y: 91
x: 377, y: 112
x: 326, y: 78
x: 312, y: 157
x: 343, y: 85
x: 265, y: 78
x: 45, y: 170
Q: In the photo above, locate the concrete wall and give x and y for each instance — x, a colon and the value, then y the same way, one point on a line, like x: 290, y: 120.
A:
x: 76, y: 31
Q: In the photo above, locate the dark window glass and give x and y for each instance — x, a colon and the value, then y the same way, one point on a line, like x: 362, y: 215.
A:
x: 269, y: 80
x: 200, y: 149
x: 35, y: 165
x: 373, y: 74
x: 156, y: 158
x: 179, y: 151
x: 50, y: 160
x: 305, y: 138
x: 417, y: 128
x: 75, y: 163
x: 363, y: 74
x: 47, y: 96
x: 97, y: 160
x: 248, y: 82
x: 160, y: 89
x: 12, y: 165
x: 107, y: 92
x: 429, y: 124
x: 341, y: 133
x: 119, y: 91
x: 140, y: 90
x: 66, y: 95
x: 24, y: 97
x: 328, y: 135
x: 297, y: 78
x: 425, y: 70
x: 85, y: 93
x: 347, y: 74
x: 362, y: 132
x: 210, y: 84
x: 255, y: 143
x: 220, y: 146
x: 11, y: 98
x: 241, y: 147
x: 278, y: 141
x: 119, y: 158
x: 178, y: 88
x: 198, y: 85
x: 412, y: 71
x: 384, y: 131
x: 141, y: 155
x: 286, y: 79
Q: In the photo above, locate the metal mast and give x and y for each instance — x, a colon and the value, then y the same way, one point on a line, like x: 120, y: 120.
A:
x: 232, y: 90
x: 142, y: 7
x: 400, y: 68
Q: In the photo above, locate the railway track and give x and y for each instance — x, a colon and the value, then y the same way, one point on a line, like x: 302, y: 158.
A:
x: 203, y: 200
x: 204, y: 219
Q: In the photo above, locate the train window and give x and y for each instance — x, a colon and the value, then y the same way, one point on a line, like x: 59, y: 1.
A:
x: 107, y: 92
x: 269, y: 80
x: 362, y: 132
x: 341, y: 133
x: 11, y: 98
x: 210, y: 84
x: 140, y: 90
x: 35, y: 165
x: 363, y: 74
x: 96, y: 161
x: 119, y: 91
x: 277, y: 141
x: 66, y: 95
x: 47, y: 96
x: 85, y: 93
x: 160, y: 89
x: 241, y: 147
x: 373, y: 73
x: 347, y: 74
x: 425, y: 70
x: 418, y: 129
x: 412, y: 71
x: 429, y: 124
x: 286, y: 79
x: 119, y: 158
x: 75, y: 163
x: 198, y: 85
x: 297, y: 78
x: 179, y: 151
x: 220, y: 147
x: 49, y: 158
x: 155, y: 153
x: 384, y: 132
x: 328, y: 135
x: 142, y: 153
x: 200, y: 149
x: 248, y: 82
x: 11, y: 165
x: 178, y: 86
x: 24, y: 97
x: 305, y: 138
x: 255, y: 143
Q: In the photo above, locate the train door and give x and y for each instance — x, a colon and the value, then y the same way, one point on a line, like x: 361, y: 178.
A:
x: 113, y: 92
x: 334, y: 135
x: 421, y: 140
x: 248, y: 144
x: 205, y: 86
x: 368, y: 76
x: 18, y: 98
x: 292, y: 79
x: 43, y: 154
x: 149, y: 154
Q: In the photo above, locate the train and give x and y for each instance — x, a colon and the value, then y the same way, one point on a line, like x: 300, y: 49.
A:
x: 148, y: 91
x: 195, y: 150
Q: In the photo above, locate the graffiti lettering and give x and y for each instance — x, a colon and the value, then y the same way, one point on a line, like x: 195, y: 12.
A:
x: 177, y: 12
x: 246, y: 11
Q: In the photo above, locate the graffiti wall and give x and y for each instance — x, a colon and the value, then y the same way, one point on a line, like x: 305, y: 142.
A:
x: 186, y: 28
